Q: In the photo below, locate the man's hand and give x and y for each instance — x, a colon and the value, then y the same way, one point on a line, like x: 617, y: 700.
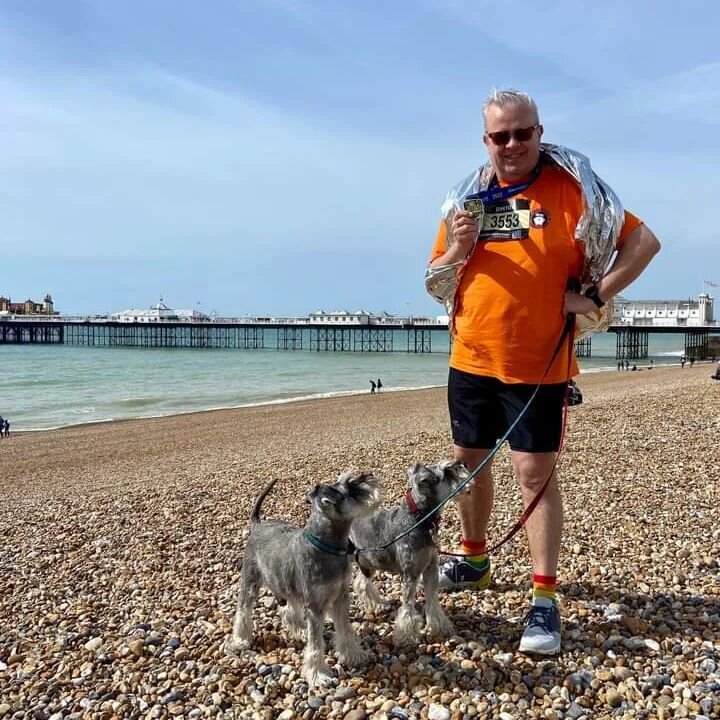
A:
x: 578, y: 304
x: 464, y: 229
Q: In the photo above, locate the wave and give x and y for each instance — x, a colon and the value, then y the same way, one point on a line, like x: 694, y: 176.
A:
x: 138, y: 402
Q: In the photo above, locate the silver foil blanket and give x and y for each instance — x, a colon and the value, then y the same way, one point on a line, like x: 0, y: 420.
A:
x: 598, y: 229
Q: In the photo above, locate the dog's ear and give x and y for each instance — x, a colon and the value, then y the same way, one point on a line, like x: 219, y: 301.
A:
x: 453, y: 470
x: 412, y: 470
x: 312, y: 495
x: 364, y: 488
x: 423, y: 476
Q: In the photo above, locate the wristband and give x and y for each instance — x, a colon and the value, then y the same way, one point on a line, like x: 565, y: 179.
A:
x: 593, y: 293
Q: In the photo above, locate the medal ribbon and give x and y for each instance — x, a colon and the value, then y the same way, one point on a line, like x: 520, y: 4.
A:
x: 492, y: 195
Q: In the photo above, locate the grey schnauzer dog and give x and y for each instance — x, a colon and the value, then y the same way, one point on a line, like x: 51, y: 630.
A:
x: 309, y: 569
x: 413, y: 556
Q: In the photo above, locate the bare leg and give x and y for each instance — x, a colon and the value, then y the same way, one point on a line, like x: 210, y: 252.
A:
x: 544, y: 526
x: 475, y: 504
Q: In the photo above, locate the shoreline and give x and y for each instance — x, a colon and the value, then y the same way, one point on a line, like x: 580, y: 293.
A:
x: 303, y: 398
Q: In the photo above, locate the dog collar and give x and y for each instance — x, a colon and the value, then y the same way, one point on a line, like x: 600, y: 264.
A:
x: 431, y: 522
x: 331, y: 549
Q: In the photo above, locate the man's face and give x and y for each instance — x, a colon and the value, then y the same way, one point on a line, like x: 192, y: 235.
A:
x: 515, y: 160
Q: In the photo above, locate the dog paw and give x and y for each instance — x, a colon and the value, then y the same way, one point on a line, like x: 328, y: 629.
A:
x: 442, y: 628
x: 405, y: 638
x: 320, y: 677
x: 354, y: 658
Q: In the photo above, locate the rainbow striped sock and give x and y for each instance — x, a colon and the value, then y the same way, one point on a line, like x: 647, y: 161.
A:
x: 544, y: 589
x: 475, y: 553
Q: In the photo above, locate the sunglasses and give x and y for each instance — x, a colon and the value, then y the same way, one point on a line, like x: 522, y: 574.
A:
x: 502, y: 137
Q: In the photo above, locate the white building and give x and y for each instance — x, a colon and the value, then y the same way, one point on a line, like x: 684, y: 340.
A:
x: 155, y: 314
x: 339, y: 317
x: 665, y: 313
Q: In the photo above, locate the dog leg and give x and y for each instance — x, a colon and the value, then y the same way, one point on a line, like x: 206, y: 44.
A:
x: 438, y: 622
x: 292, y: 617
x: 248, y: 592
x: 407, y: 622
x: 347, y: 643
x: 368, y: 594
x: 314, y: 668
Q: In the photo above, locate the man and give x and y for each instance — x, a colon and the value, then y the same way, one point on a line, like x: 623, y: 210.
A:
x: 510, y: 308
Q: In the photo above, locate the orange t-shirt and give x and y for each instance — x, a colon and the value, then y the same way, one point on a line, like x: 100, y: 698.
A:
x: 508, y: 307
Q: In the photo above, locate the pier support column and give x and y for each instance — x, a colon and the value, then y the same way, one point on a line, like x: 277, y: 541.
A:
x: 632, y: 344
x: 696, y: 345
x: 583, y: 348
x: 419, y: 340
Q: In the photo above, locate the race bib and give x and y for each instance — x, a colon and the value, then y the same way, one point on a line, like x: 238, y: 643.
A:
x: 508, y: 220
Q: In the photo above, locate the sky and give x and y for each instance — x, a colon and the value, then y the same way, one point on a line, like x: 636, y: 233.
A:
x: 285, y: 156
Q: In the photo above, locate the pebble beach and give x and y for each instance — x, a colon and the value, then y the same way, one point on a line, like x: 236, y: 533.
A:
x: 121, y: 545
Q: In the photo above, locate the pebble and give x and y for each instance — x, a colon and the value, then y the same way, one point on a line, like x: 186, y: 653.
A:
x: 438, y: 712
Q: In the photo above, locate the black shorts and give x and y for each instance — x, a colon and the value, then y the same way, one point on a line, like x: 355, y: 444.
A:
x: 483, y: 408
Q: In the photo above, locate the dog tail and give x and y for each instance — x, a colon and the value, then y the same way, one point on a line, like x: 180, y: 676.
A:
x: 255, y: 512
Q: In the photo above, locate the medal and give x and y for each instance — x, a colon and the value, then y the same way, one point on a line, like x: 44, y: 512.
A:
x: 476, y: 207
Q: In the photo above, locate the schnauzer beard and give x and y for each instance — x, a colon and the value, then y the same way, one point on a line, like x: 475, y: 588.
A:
x: 414, y: 556
x: 314, y: 583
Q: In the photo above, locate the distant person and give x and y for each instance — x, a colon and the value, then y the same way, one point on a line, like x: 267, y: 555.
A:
x: 692, y: 361
x: 379, y: 384
x: 652, y: 362
x: 634, y: 367
x: 372, y: 387
x: 627, y: 364
x: 2, y: 426
x: 683, y: 360
x: 716, y: 374
x: 6, y: 429
x: 620, y: 365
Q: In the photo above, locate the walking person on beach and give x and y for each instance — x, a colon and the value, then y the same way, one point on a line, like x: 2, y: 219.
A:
x: 372, y: 387
x: 6, y: 429
x: 509, y: 261
x: 379, y: 384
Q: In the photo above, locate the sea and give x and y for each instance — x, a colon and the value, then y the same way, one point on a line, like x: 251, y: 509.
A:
x: 52, y: 386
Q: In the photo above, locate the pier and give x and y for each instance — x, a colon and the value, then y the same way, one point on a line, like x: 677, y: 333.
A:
x: 403, y: 335
x: 382, y: 334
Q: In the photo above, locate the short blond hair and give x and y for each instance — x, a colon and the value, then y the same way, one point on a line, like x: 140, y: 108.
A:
x: 509, y: 97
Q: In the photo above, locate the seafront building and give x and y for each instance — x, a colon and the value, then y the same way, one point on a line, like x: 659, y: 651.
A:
x: 664, y: 313
x: 28, y: 307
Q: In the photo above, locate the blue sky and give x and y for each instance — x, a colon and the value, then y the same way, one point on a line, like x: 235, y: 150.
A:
x: 289, y: 155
